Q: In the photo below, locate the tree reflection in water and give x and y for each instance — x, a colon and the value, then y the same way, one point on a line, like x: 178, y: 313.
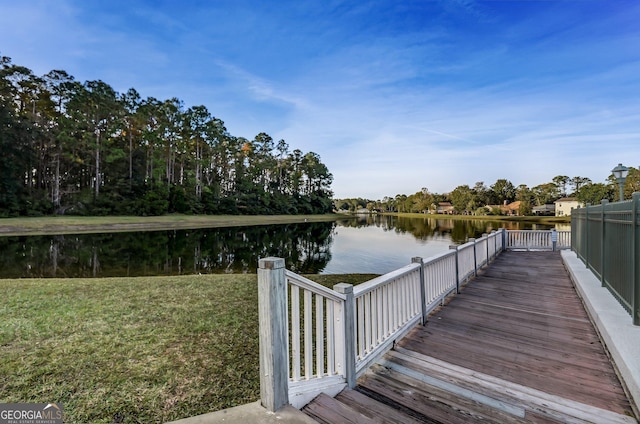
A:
x: 305, y: 247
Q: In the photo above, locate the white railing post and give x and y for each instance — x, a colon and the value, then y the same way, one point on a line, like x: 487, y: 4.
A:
x: 486, y: 236
x: 272, y: 312
x: 348, y: 338
x: 455, y: 246
x: 504, y: 239
x: 475, y: 257
x: 495, y: 244
x: 423, y: 295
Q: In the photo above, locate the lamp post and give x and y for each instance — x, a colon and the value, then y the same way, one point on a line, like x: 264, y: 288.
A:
x: 620, y: 172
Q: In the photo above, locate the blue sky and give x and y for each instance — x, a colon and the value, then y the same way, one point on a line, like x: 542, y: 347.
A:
x: 393, y: 95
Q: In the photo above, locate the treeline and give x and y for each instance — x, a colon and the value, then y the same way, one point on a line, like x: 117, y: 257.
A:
x: 85, y: 149
x: 483, y: 200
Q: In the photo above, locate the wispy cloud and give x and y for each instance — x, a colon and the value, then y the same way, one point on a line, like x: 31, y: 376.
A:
x: 394, y: 96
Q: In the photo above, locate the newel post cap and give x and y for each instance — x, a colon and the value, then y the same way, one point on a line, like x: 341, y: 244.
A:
x: 271, y: 263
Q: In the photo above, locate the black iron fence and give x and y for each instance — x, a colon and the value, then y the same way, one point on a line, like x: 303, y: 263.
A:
x: 607, y: 239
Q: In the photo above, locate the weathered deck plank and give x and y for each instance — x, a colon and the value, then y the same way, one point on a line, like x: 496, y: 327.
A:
x: 530, y: 339
x: 515, y: 346
x: 371, y: 408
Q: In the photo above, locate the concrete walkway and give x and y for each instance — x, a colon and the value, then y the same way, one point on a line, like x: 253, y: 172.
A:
x: 252, y: 413
x: 614, y: 324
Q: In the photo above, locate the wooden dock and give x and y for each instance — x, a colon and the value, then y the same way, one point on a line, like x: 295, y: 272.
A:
x: 516, y: 346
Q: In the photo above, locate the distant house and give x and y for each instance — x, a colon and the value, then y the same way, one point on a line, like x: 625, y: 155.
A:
x: 565, y: 205
x: 445, y: 208
x: 548, y: 209
x: 511, y: 209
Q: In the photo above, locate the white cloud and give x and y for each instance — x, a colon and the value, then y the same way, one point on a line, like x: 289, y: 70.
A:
x: 433, y: 94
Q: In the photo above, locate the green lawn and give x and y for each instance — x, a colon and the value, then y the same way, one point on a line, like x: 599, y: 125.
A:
x: 88, y: 224
x: 133, y: 350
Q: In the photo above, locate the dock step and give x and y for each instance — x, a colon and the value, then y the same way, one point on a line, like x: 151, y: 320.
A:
x: 409, y: 387
x: 351, y: 406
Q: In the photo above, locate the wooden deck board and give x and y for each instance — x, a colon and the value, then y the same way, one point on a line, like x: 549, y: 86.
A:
x: 521, y: 352
x: 372, y: 408
x: 540, y: 345
x: 521, y: 327
x: 326, y: 409
x: 427, y: 401
x: 522, y: 334
x: 500, y: 394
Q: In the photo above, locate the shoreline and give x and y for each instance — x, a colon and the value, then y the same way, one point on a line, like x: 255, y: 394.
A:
x: 33, y: 226
x: 549, y: 220
x: 98, y: 224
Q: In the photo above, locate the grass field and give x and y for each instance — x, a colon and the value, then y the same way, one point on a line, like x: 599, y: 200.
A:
x: 95, y: 224
x: 133, y: 350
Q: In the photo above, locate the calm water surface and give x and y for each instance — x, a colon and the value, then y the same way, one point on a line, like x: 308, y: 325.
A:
x: 352, y: 245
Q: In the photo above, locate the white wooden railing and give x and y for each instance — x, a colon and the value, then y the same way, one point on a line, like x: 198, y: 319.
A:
x: 314, y: 339
x: 385, y: 307
x: 316, y: 330
x: 538, y: 240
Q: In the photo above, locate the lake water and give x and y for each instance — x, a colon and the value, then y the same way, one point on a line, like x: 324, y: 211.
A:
x: 366, y: 244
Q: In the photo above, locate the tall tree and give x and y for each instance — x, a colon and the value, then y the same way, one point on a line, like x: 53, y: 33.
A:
x: 218, y: 173
x: 462, y: 199
x: 20, y: 91
x: 400, y: 202
x: 545, y: 193
x: 482, y: 193
x: 13, y: 162
x: 96, y: 111
x: 561, y: 182
x: 60, y: 86
x: 422, y: 201
x: 151, y: 139
x: 595, y: 193
x: 578, y: 182
x: 503, y: 190
x: 171, y: 123
x: 197, y: 120
x: 526, y: 198
x: 632, y: 184
x: 133, y: 123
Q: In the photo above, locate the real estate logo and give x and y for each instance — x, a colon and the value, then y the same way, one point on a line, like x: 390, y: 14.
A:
x: 31, y: 413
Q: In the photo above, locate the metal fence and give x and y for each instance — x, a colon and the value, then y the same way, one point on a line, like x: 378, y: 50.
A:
x: 606, y: 238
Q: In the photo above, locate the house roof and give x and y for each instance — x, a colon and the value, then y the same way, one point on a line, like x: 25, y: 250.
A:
x: 513, y: 205
x: 567, y: 199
